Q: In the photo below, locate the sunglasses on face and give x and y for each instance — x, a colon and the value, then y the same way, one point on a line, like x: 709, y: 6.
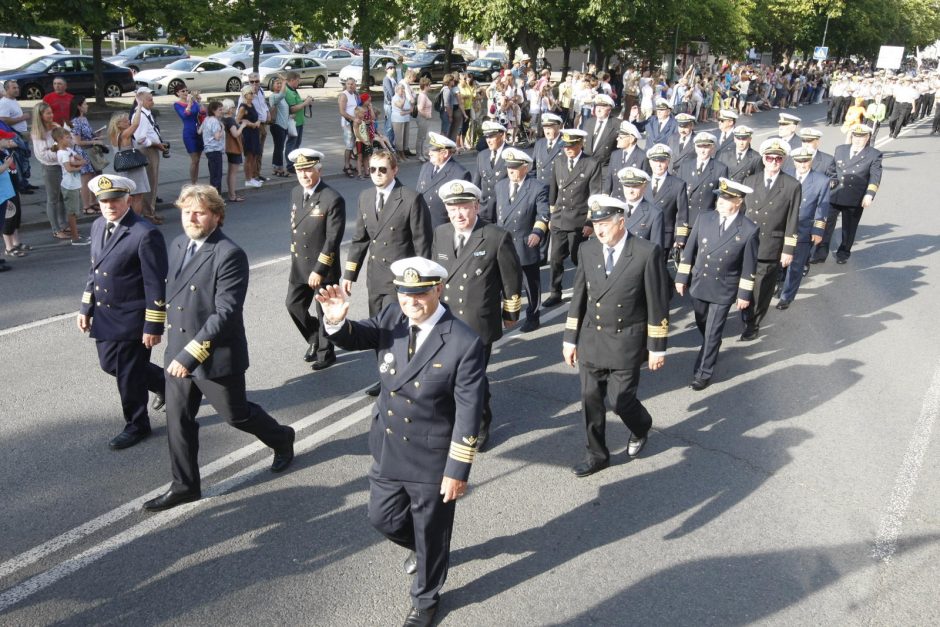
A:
x: 773, y: 159
x: 255, y: 82
x: 383, y: 169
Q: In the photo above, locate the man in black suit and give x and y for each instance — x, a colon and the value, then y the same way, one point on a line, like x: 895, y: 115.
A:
x: 774, y: 206
x: 440, y: 168
x: 723, y: 250
x: 787, y: 126
x: 858, y: 173
x: 128, y: 270
x: 575, y: 178
x: 602, y: 130
x: 207, y: 351
x: 823, y: 162
x: 667, y: 193
x: 627, y: 155
x: 619, y: 311
x: 483, y: 284
x: 681, y: 144
x: 742, y: 161
x: 643, y: 220
x: 317, y: 223
x: 701, y: 175
x: 424, y: 432
x: 490, y: 168
x: 727, y: 118
x: 547, y: 148
x: 522, y: 209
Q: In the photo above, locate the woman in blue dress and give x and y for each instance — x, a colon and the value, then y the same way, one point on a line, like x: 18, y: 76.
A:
x: 191, y: 113
x: 83, y: 138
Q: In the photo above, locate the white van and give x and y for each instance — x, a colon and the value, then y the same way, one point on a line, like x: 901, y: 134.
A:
x: 16, y: 50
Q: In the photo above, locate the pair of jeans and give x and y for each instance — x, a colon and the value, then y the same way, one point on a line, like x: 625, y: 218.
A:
x: 280, y: 140
x: 215, y: 169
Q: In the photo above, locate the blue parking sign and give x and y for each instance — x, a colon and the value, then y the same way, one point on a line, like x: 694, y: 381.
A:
x: 820, y: 53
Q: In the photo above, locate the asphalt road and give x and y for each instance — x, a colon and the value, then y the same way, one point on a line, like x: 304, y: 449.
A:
x: 797, y: 489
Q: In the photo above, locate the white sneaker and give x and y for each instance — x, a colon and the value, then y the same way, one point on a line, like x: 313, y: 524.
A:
x: 252, y: 183
x: 81, y: 241
x: 258, y: 183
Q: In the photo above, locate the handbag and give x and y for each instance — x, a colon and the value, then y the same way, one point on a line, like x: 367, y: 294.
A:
x: 291, y: 127
x: 97, y: 158
x: 125, y: 160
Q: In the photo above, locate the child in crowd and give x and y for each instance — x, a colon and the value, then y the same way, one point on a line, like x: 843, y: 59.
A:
x: 233, y: 146
x: 213, y: 139
x: 71, y: 165
x: 363, y: 141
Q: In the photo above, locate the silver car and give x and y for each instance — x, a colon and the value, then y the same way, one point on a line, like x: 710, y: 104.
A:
x: 239, y: 55
x: 376, y: 71
x: 311, y: 71
x: 335, y: 59
x: 148, y: 57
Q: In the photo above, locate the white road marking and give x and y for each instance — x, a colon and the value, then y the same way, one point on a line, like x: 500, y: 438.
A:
x: 887, y: 541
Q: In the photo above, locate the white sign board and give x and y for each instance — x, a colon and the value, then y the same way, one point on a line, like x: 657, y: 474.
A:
x: 820, y: 53
x: 890, y: 57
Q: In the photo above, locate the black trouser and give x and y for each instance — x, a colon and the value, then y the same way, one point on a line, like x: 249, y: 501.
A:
x: 793, y: 275
x: 487, y: 418
x: 599, y: 384
x: 851, y: 216
x: 765, y: 283
x: 379, y: 300
x: 128, y: 361
x: 299, y: 298
x: 414, y: 516
x: 710, y: 319
x: 832, y: 111
x: 227, y: 397
x: 564, y: 243
x: 936, y: 120
x: 899, y: 117
x: 533, y: 287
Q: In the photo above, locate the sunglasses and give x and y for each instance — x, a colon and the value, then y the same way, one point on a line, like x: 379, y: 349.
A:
x: 383, y: 169
x: 255, y: 82
x: 773, y: 158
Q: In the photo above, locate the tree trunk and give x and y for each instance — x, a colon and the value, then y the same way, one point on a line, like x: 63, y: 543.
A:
x: 565, y: 62
x: 96, y: 39
x: 511, y: 44
x: 448, y: 40
x: 256, y: 39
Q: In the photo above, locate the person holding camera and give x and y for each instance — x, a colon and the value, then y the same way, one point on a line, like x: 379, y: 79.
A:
x: 192, y: 114
x: 154, y: 148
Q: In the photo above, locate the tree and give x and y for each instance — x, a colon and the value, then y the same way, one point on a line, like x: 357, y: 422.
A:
x: 442, y: 18
x: 372, y: 26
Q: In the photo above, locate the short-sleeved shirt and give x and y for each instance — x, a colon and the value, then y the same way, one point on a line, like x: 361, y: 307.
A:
x: 60, y: 105
x: 10, y: 108
x: 293, y: 99
x: 210, y: 127
x: 70, y: 180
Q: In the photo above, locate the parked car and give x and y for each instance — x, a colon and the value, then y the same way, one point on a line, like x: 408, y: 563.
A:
x: 194, y: 73
x: 483, y: 69
x: 334, y: 59
x: 35, y: 77
x: 431, y: 64
x: 376, y: 72
x: 311, y: 71
x: 502, y: 57
x: 239, y: 55
x: 148, y: 56
x: 16, y: 51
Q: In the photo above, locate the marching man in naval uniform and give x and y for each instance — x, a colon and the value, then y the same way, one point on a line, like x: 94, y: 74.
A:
x: 440, y: 168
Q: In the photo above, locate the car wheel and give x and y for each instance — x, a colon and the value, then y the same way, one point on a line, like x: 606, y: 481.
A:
x: 233, y: 85
x: 33, y: 92
x: 239, y: 65
x: 319, y: 82
x: 174, y: 86
x: 113, y: 90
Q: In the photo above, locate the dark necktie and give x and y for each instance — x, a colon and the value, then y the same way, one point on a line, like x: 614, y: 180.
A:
x: 512, y: 191
x: 740, y: 156
x: 460, y: 242
x: 852, y: 154
x: 109, y: 230
x: 609, y: 265
x: 570, y: 164
x: 436, y: 170
x: 493, y: 160
x: 700, y: 169
x: 721, y: 227
x: 307, y: 198
x: 380, y: 206
x: 656, y: 183
x: 597, y: 131
x: 768, y: 183
x: 413, y: 331
x: 630, y: 210
x: 190, y: 251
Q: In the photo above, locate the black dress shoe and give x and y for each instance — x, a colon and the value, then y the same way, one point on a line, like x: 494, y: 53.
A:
x: 750, y: 333
x: 284, y: 456
x: 171, y: 499
x: 158, y: 402
x: 635, y: 445
x: 420, y: 618
x: 530, y: 324
x: 842, y: 260
x: 805, y: 270
x: 374, y: 389
x: 322, y: 364
x: 411, y: 564
x: 700, y: 384
x: 127, y: 440
x: 158, y: 199
x: 311, y: 353
x: 26, y: 191
x: 783, y: 305
x: 589, y: 467
x: 552, y: 301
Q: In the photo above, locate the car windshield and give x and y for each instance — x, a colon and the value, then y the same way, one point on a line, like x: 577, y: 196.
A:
x: 131, y: 52
x: 319, y: 54
x: 424, y: 57
x: 482, y: 63
x: 57, y: 46
x: 357, y: 61
x: 238, y: 48
x: 38, y: 65
x: 273, y: 61
x: 184, y: 65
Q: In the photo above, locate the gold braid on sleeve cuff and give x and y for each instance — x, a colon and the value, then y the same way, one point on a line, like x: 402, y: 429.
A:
x: 683, y: 231
x: 541, y: 225
x: 352, y: 266
x: 513, y: 304
x: 325, y: 259
x: 685, y: 268
x: 571, y: 324
x: 86, y: 298
x: 197, y: 350
x: 154, y: 315
x: 462, y: 453
x: 872, y: 188
x: 819, y: 224
x: 746, y: 284
x: 789, y: 241
x: 658, y: 330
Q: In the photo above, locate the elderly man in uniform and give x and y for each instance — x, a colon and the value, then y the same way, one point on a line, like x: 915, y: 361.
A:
x: 823, y: 162
x: 787, y: 126
x: 317, y: 223
x: 814, y: 210
x: 576, y: 177
x: 643, y: 220
x: 659, y: 128
x: 547, y: 148
x: 742, y: 161
x: 431, y: 367
x: 858, y: 172
x: 207, y: 351
x: 522, y: 209
x: 440, y: 168
x: 483, y: 283
x: 667, y: 193
x: 628, y: 154
x: 727, y: 118
x: 602, y: 130
x: 124, y: 302
x: 619, y: 311
x: 393, y: 222
x: 681, y: 144
x: 490, y: 168
x: 701, y: 175
x: 723, y: 250
x: 774, y: 206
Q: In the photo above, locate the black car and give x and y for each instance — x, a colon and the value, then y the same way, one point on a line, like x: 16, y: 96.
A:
x: 431, y: 64
x: 482, y: 70
x: 35, y: 78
